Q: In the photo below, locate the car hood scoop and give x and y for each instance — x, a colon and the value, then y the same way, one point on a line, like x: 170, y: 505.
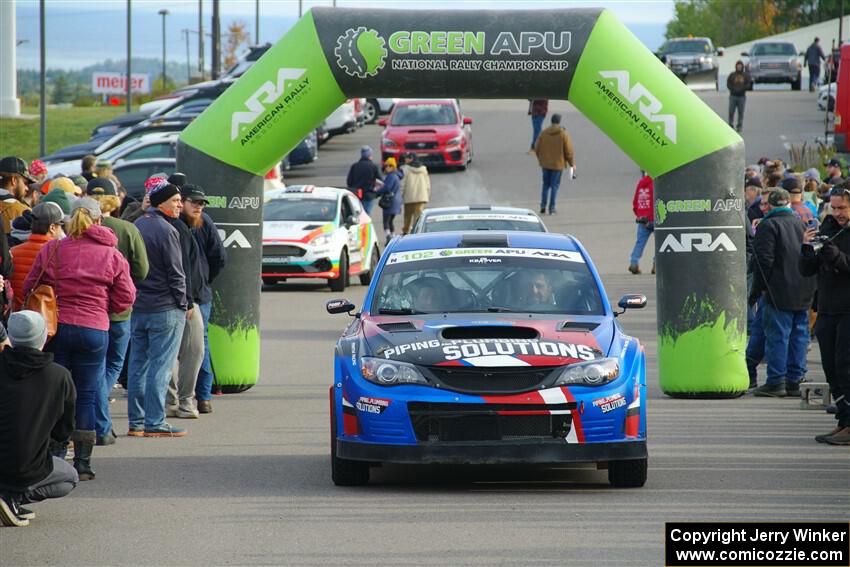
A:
x: 489, y: 332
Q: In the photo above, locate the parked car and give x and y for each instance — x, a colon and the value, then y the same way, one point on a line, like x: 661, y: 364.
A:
x: 774, y: 62
x: 478, y: 217
x: 317, y: 232
x: 374, y: 107
x: 692, y: 59
x: 133, y: 173
x: 156, y: 145
x: 194, y: 99
x: 247, y: 60
x: 342, y: 120
x: 304, y: 153
x: 433, y: 129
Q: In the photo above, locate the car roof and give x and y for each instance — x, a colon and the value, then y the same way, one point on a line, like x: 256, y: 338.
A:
x: 297, y: 191
x: 480, y: 209
x: 415, y: 101
x: 129, y: 162
x: 518, y: 239
x: 689, y: 39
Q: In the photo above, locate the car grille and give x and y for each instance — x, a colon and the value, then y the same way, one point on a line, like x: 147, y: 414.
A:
x: 684, y: 67
x: 444, y: 423
x: 421, y: 145
x: 282, y: 250
x: 775, y: 66
x: 509, y: 380
x: 288, y: 269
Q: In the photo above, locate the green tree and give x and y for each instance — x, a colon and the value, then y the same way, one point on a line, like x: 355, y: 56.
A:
x: 62, y: 90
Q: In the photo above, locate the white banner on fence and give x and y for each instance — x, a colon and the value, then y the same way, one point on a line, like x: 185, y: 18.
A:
x: 114, y: 83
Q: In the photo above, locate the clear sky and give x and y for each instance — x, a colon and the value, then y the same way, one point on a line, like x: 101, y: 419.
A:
x: 84, y: 33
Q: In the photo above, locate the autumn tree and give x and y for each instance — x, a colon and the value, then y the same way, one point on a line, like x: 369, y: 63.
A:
x: 237, y: 36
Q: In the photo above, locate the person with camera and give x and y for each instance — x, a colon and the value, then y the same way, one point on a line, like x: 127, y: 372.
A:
x: 826, y: 253
x: 785, y: 295
x: 642, y: 205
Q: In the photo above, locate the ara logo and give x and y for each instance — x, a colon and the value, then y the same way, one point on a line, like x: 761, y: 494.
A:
x: 233, y: 240
x: 648, y: 105
x: 697, y: 242
x: 268, y: 94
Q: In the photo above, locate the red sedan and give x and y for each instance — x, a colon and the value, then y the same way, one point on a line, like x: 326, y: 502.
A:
x: 433, y: 130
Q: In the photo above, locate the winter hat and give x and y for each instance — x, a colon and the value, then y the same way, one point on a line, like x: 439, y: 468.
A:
x: 778, y: 198
x: 365, y: 152
x: 177, y: 178
x: 812, y: 173
x: 162, y: 192
x: 59, y: 197
x: 155, y: 181
x: 23, y: 223
x: 90, y: 205
x: 37, y: 168
x: 754, y: 181
x: 791, y: 185
x: 391, y: 161
x: 27, y: 329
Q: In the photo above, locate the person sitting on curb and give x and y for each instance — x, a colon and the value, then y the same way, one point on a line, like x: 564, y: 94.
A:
x: 37, y: 401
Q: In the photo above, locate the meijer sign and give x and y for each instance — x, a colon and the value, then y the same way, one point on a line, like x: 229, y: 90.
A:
x: 115, y: 83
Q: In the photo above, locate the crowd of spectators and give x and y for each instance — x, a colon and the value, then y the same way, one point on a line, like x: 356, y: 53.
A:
x: 83, y: 270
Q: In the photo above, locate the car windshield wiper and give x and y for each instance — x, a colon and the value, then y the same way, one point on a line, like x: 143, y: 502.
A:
x: 401, y: 311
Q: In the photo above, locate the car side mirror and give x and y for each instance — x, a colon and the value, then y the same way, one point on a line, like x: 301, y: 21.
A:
x: 720, y: 51
x: 631, y: 301
x: 467, y: 120
x: 802, y: 54
x: 745, y: 53
x: 350, y: 221
x: 337, y: 306
x: 382, y: 122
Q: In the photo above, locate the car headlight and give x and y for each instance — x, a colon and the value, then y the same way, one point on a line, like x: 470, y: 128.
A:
x: 390, y: 372
x: 389, y: 143
x: 455, y: 141
x: 322, y: 240
x: 590, y: 373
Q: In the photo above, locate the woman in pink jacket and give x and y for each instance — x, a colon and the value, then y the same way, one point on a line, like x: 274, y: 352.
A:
x: 91, y: 279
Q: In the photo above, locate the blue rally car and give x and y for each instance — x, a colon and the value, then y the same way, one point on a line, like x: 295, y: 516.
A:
x: 487, y: 348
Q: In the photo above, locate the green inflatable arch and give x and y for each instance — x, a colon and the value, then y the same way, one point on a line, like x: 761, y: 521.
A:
x: 583, y: 55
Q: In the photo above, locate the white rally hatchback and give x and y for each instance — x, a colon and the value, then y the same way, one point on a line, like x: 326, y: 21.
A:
x: 317, y: 232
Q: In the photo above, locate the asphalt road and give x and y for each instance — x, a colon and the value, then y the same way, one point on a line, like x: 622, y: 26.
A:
x: 251, y: 482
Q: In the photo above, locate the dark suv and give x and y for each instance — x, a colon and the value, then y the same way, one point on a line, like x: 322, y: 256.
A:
x: 692, y: 59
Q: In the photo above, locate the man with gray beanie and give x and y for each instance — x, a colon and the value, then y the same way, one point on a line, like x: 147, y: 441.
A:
x: 554, y: 150
x: 37, y: 399
x: 364, y: 178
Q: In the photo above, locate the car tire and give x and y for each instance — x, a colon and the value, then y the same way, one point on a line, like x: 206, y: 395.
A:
x: 366, y: 279
x: 371, y: 111
x: 345, y: 472
x: 340, y: 283
x: 797, y: 83
x: 627, y: 474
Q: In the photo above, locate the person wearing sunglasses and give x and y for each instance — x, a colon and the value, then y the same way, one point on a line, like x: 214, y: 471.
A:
x: 826, y: 253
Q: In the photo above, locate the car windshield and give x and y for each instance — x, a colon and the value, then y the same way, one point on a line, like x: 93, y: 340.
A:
x: 774, y: 49
x: 119, y: 150
x: 299, y: 210
x: 424, y: 114
x: 457, y: 222
x: 495, y: 280
x: 687, y: 46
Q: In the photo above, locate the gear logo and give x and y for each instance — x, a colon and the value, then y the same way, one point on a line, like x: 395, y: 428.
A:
x: 361, y: 52
x: 660, y: 212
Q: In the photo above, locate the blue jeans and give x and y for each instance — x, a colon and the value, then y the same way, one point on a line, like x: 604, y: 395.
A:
x: 786, y: 340
x: 203, y: 387
x: 536, y: 126
x: 156, y: 340
x: 551, y: 184
x: 82, y: 351
x: 119, y: 338
x: 643, y: 232
x: 368, y: 204
x: 755, y: 344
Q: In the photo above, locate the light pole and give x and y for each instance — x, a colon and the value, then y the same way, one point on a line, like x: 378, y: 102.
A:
x: 129, y: 81
x: 163, y: 13
x: 188, y: 68
x: 257, y: 22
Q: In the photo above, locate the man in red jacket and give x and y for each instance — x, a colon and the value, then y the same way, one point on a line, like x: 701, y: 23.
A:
x: 642, y: 205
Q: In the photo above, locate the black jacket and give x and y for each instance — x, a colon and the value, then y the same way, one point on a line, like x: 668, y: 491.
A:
x: 832, y: 268
x: 37, y: 399
x: 738, y: 83
x: 212, y: 255
x: 191, y: 261
x: 776, y: 252
x: 362, y: 175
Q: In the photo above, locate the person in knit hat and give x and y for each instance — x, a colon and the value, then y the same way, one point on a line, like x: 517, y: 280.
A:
x: 38, y: 400
x: 159, y: 315
x: 59, y: 197
x: 45, y: 224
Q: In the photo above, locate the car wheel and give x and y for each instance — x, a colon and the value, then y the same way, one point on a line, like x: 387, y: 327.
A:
x: 340, y: 283
x: 270, y: 281
x: 366, y: 279
x: 627, y: 474
x: 796, y: 83
x: 370, y: 111
x: 345, y: 472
